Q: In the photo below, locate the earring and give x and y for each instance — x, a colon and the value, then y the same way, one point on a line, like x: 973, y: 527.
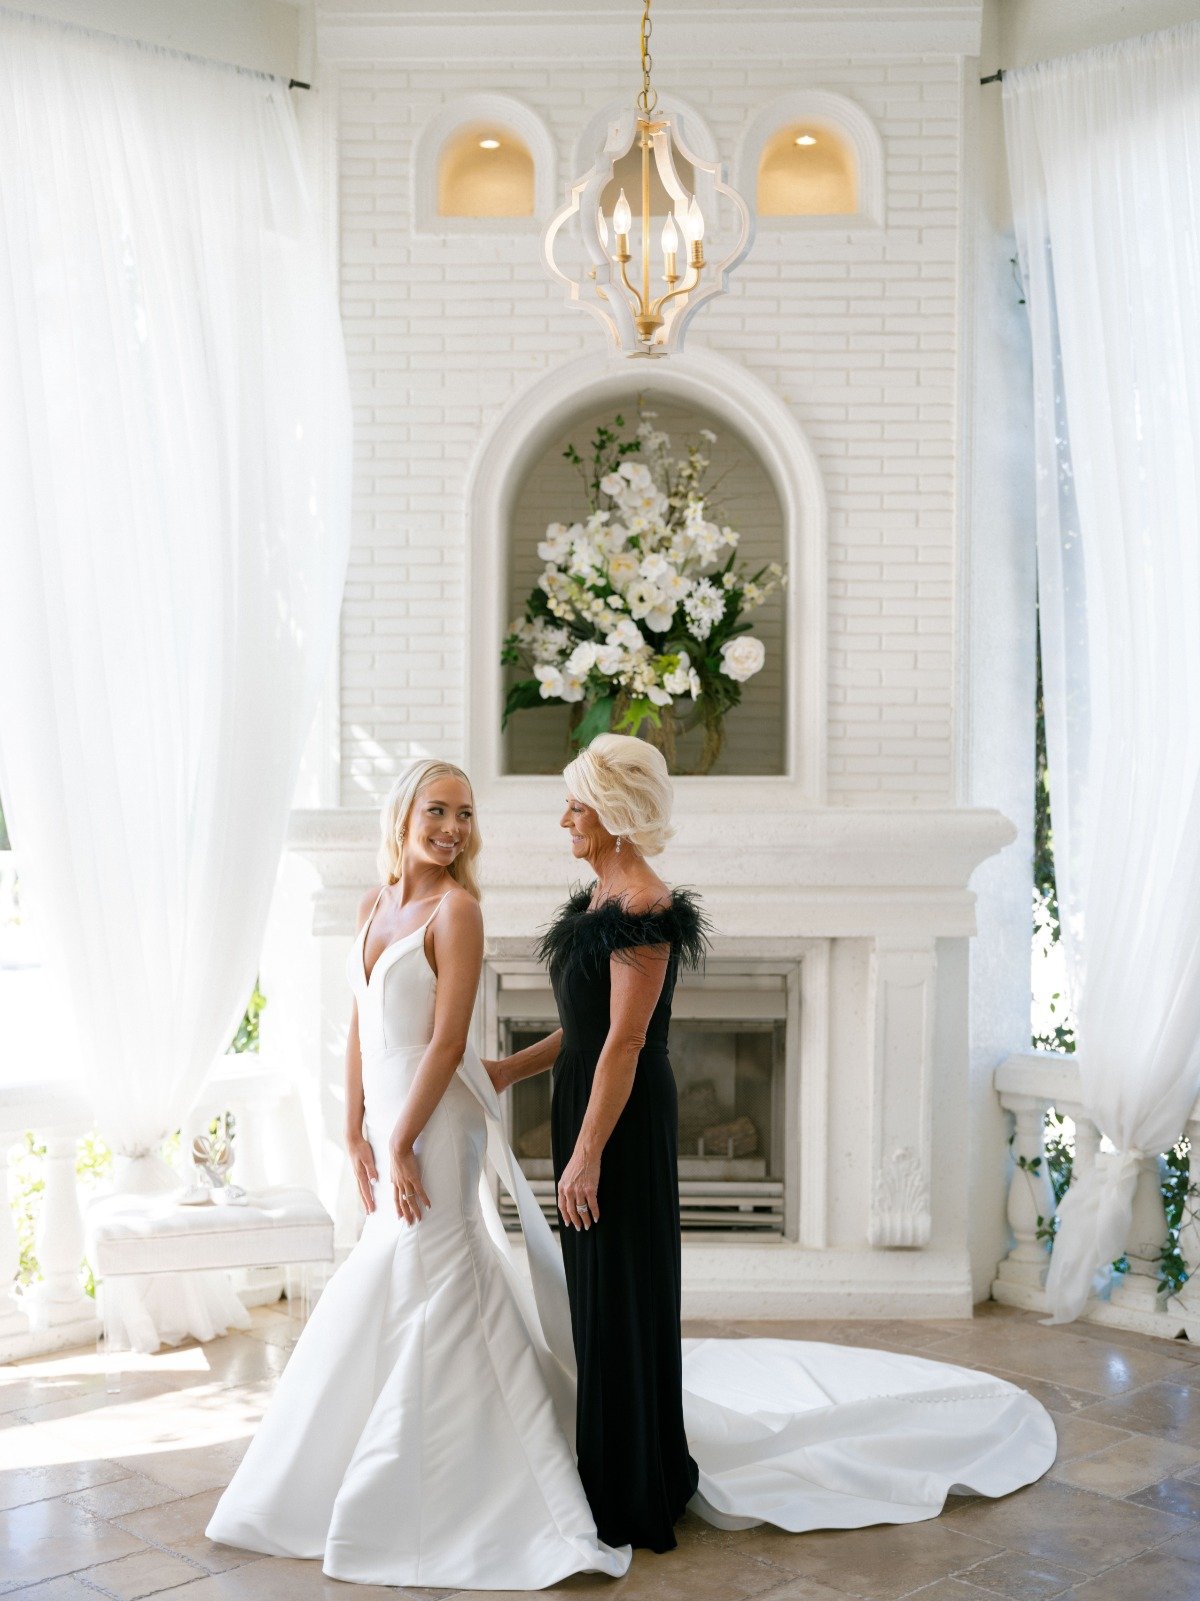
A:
x: 618, y: 844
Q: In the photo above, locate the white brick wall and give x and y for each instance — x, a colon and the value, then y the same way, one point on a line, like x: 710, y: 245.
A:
x: 856, y: 333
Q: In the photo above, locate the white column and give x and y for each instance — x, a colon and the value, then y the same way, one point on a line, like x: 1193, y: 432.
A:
x: 59, y: 1297
x: 1137, y: 1290
x: 13, y: 1321
x: 1030, y: 1196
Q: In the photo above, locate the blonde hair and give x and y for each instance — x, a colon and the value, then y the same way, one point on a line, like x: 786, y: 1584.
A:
x: 393, y: 824
x: 625, y: 781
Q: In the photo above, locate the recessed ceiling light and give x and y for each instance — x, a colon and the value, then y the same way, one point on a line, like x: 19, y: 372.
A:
x: 489, y: 144
x: 806, y: 139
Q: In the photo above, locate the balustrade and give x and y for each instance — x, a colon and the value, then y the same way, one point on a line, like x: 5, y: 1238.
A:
x: 1028, y: 1086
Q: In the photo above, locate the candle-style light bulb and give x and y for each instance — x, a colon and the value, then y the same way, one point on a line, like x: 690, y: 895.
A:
x: 622, y: 216
x: 693, y: 221
x: 670, y: 238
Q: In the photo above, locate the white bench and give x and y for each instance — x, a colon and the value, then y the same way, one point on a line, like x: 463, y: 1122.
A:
x: 135, y: 1235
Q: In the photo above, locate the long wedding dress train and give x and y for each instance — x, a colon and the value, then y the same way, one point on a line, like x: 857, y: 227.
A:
x: 423, y: 1429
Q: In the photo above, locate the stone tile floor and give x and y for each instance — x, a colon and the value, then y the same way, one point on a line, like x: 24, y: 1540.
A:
x: 104, y: 1496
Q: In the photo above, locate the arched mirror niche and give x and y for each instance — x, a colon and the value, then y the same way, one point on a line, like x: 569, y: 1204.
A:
x: 552, y: 490
x: 485, y: 170
x: 807, y: 170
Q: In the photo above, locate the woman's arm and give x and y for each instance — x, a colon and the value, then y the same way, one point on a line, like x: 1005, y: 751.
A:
x: 362, y: 1158
x: 533, y: 1059
x: 636, y: 979
x: 458, y: 953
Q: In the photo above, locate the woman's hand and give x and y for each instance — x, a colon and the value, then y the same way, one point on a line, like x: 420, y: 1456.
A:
x: 497, y: 1071
x: 577, y: 1203
x: 407, y: 1188
x: 362, y: 1159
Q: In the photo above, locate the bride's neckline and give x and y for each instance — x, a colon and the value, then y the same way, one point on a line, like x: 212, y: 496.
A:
x: 392, y: 944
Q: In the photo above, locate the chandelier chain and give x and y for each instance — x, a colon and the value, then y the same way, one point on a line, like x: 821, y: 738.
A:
x: 648, y: 99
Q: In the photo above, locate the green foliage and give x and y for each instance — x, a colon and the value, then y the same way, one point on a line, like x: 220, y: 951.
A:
x: 608, y: 452
x: 521, y: 697
x: 596, y: 720
x: 246, y: 1037
x: 1181, y: 1197
x: 1061, y: 1037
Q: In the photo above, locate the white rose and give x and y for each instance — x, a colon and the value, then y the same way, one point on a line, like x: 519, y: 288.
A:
x: 741, y: 658
x: 556, y: 544
x: 623, y: 568
x: 581, y: 660
x: 659, y: 619
x: 626, y: 634
x: 551, y: 681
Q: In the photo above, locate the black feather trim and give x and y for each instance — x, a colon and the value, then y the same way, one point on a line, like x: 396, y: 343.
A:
x: 593, y: 936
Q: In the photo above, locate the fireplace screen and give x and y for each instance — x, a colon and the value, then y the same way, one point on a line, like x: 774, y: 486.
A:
x: 728, y: 1046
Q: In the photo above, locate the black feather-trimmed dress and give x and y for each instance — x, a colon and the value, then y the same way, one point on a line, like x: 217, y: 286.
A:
x: 623, y: 1274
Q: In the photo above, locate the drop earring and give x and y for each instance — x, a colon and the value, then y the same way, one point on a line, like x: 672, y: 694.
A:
x: 618, y: 844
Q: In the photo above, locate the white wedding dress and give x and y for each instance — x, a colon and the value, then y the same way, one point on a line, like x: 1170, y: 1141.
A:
x: 422, y: 1431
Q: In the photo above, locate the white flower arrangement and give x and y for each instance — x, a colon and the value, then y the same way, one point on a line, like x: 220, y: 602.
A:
x: 639, y: 612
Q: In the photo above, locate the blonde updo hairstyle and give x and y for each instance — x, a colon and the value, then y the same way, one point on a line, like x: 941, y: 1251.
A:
x: 394, y: 819
x: 626, y: 783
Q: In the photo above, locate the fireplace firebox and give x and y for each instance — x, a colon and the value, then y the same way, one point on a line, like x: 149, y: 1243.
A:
x: 729, y: 1046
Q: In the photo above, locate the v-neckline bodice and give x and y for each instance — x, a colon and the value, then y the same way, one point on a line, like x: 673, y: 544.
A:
x: 392, y: 944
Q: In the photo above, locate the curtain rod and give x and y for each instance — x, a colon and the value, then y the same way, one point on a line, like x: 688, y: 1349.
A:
x: 294, y: 83
x: 996, y: 77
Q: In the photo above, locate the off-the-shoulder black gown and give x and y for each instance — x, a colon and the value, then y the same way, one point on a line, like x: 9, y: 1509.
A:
x: 623, y: 1274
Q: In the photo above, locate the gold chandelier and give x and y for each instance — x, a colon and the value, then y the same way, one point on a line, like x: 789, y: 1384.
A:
x: 645, y: 315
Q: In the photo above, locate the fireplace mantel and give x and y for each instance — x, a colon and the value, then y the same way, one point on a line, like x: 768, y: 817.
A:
x: 828, y: 872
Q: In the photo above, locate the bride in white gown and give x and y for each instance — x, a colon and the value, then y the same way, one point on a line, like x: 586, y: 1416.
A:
x: 422, y: 1431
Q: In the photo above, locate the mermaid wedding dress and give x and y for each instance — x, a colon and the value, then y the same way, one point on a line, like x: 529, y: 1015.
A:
x: 422, y: 1432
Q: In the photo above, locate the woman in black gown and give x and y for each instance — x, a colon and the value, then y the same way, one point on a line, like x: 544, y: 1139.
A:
x: 614, y: 952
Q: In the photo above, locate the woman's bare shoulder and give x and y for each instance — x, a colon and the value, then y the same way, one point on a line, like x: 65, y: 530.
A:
x: 366, y: 901
x: 647, y: 895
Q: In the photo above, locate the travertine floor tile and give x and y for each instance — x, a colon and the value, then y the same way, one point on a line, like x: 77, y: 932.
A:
x: 66, y: 1588
x: 882, y: 1563
x: 142, y: 1574
x: 1074, y: 1528
x: 179, y: 1525
x: 1179, y: 1496
x: 1168, y: 1409
x: 1019, y: 1577
x: 129, y: 1494
x: 47, y: 1538
x: 1079, y: 1437
x: 1156, y: 1576
x: 281, y: 1580
x: 1129, y: 1465
x: 21, y: 1485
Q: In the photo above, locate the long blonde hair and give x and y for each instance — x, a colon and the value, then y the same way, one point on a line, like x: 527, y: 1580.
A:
x: 393, y: 824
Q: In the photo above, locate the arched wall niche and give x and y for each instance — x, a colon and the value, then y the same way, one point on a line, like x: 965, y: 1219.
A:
x: 476, y: 114
x: 733, y: 398
x: 839, y: 115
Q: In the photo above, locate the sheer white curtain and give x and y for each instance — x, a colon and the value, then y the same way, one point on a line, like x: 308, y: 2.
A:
x: 1104, y: 154
x: 174, y: 514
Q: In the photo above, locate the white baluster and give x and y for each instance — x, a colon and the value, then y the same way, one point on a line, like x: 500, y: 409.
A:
x: 59, y: 1297
x: 13, y: 1322
x: 1030, y: 1197
x: 1137, y: 1290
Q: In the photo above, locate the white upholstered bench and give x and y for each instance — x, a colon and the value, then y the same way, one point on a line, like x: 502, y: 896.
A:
x: 134, y: 1235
